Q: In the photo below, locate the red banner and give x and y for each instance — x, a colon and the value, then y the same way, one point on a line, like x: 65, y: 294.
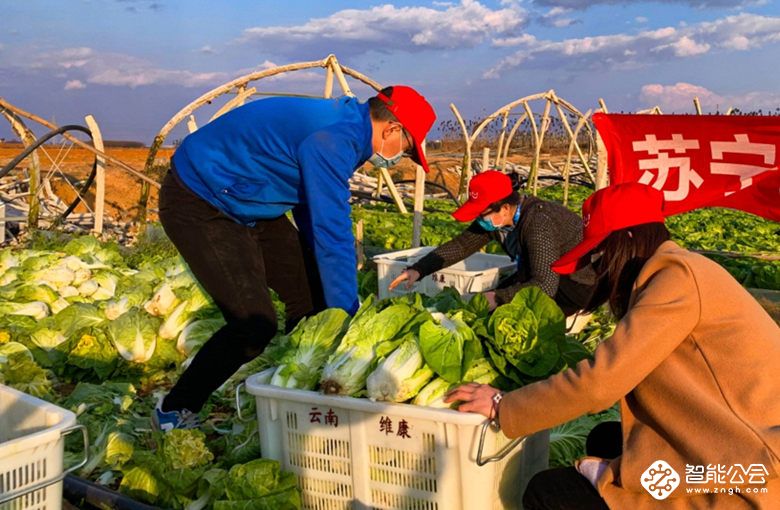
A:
x: 698, y: 160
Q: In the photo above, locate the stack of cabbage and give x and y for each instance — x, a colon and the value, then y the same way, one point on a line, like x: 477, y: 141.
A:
x: 103, y: 330
x: 80, y: 313
x: 415, y: 348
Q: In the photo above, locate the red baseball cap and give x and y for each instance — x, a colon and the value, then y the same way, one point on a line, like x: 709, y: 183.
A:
x: 414, y: 113
x: 484, y: 189
x: 610, y: 209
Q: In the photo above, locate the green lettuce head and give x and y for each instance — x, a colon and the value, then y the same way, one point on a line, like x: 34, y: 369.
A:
x: 525, y: 335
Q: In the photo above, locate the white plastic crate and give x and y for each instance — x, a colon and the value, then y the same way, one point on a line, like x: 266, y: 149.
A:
x: 477, y: 273
x: 351, y: 453
x: 32, y: 441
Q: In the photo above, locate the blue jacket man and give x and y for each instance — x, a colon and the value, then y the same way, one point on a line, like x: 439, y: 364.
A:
x: 224, y: 205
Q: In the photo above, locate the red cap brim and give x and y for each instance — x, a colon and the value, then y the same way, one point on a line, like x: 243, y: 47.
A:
x: 469, y: 211
x: 571, y: 261
x: 418, y: 156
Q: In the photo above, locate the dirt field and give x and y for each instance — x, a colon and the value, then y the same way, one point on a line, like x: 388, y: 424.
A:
x: 123, y: 189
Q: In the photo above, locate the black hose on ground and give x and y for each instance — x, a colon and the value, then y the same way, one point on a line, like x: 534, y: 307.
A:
x: 40, y: 141
x: 79, y: 491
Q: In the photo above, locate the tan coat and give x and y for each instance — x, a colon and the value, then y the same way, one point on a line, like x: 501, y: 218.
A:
x: 695, y: 364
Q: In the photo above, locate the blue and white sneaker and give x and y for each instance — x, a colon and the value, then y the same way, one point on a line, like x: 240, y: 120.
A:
x: 167, y: 421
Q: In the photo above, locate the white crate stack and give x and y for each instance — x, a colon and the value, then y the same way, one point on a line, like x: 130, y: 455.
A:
x: 351, y: 453
x: 32, y: 441
x: 477, y: 273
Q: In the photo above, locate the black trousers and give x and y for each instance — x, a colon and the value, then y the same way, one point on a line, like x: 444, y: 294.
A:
x: 565, y: 488
x: 236, y: 265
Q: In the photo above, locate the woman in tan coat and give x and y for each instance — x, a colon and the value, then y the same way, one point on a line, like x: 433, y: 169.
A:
x: 694, y: 363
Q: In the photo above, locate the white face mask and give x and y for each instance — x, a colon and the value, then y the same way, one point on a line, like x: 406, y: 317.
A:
x: 380, y: 161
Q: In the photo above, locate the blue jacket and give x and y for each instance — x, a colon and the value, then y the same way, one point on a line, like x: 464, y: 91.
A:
x: 280, y: 154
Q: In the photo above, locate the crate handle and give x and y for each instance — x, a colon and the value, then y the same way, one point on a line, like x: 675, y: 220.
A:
x: 472, y: 280
x: 501, y: 453
x: 45, y: 483
x: 239, y: 387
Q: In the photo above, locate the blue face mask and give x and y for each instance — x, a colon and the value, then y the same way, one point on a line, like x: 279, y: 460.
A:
x: 486, y: 224
x: 380, y: 161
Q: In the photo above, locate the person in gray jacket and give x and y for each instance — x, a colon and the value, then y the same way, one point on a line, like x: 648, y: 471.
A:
x: 533, y: 232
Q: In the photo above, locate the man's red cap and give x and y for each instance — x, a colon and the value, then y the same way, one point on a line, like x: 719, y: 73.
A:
x: 414, y: 113
x: 484, y: 189
x: 610, y: 209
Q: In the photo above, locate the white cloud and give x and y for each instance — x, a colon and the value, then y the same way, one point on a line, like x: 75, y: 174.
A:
x: 72, y: 57
x: 207, y: 50
x: 301, y: 76
x: 556, y: 17
x: 525, y: 39
x: 74, y: 85
x: 80, y: 67
x: 738, y: 42
x: 388, y: 28
x: 563, y: 22
x: 558, y: 11
x: 686, y: 47
x: 153, y: 76
x: 641, y: 19
x: 679, y: 98
x: 738, y: 32
x: 119, y: 69
x: 701, y: 4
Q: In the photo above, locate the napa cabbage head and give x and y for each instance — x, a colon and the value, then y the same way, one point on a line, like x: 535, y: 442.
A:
x: 35, y: 309
x: 162, y: 302
x: 93, y: 252
x: 134, y: 334
x: 196, y: 333
x: 168, y: 477
x: 8, y: 259
x: 19, y: 370
x: 400, y: 375
x: 30, y: 292
x: 525, y: 335
x: 76, y: 317
x: 184, y: 449
x: 193, y: 300
x: 449, y: 345
x: 432, y: 394
x: 107, y: 282
x: 311, y: 342
x: 258, y: 485
x: 372, y: 334
x: 11, y: 275
x: 94, y: 351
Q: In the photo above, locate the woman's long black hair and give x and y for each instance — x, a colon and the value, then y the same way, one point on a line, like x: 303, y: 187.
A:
x: 618, y: 260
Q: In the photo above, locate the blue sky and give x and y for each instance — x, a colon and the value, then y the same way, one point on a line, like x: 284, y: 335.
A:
x: 134, y: 63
